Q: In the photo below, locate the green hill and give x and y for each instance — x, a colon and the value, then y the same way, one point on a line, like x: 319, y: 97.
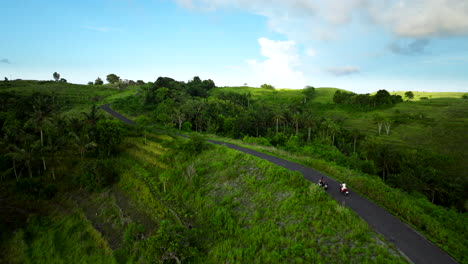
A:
x: 154, y: 196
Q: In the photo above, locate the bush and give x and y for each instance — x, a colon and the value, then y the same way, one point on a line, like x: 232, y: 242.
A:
x: 33, y: 188
x: 195, y: 145
x: 279, y: 139
x: 97, y: 174
x: 187, y: 126
x: 267, y: 86
x: 257, y: 140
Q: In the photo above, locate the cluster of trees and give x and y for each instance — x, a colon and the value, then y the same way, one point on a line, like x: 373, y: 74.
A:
x: 38, y: 143
x: 57, y: 77
x: 381, y: 98
x: 296, y: 127
x: 114, y: 79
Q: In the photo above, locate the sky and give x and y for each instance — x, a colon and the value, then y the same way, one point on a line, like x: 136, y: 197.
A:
x: 357, y: 45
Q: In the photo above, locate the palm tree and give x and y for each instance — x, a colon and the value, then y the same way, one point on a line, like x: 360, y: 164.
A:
x: 309, y: 121
x: 296, y: 118
x: 93, y: 116
x: 278, y: 116
x: 83, y: 142
x: 41, y: 119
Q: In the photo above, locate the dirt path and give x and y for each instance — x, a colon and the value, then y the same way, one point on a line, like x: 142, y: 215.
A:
x: 415, y: 246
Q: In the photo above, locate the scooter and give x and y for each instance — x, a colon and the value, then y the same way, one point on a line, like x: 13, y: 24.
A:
x: 344, y: 190
x: 323, y: 185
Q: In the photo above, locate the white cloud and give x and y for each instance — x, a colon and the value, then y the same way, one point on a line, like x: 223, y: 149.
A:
x: 310, y: 52
x: 342, y: 71
x: 405, y: 18
x: 280, y: 67
x: 422, y: 18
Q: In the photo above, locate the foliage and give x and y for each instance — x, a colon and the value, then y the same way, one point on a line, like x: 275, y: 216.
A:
x: 110, y: 134
x: 112, y: 78
x: 267, y: 86
x: 409, y: 95
x: 97, y: 174
x: 57, y: 238
x: 98, y: 81
x: 56, y: 76
x: 219, y: 201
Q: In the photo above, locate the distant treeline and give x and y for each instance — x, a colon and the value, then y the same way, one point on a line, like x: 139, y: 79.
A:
x: 381, y: 98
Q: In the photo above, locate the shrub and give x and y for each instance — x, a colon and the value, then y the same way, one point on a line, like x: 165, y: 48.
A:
x: 187, y: 126
x: 257, y: 140
x: 97, y: 174
x: 195, y: 145
x: 267, y: 86
x: 33, y: 188
x: 279, y: 139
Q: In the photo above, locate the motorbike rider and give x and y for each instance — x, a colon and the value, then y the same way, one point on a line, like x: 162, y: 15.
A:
x: 343, y: 187
x: 321, y: 182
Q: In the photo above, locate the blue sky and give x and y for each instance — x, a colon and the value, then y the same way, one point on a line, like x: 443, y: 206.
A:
x: 358, y: 45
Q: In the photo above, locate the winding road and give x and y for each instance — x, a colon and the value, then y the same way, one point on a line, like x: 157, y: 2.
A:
x: 412, y: 244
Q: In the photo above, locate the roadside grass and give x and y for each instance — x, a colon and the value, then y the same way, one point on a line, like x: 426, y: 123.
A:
x: 245, y: 210
x: 58, y: 238
x: 446, y: 228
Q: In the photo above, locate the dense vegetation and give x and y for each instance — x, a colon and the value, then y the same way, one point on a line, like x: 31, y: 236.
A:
x: 77, y: 187
x: 364, y: 132
x: 69, y: 180
x: 389, y: 140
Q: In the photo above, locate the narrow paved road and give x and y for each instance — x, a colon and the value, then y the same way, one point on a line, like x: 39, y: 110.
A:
x: 415, y: 246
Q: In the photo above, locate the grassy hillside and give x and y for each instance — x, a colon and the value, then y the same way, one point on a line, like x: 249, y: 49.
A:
x: 202, y: 211
x: 74, y: 97
x: 431, y: 95
x: 427, y: 218
x: 279, y: 96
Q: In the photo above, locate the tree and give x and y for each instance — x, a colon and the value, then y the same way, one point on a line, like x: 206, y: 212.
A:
x: 278, y: 116
x: 356, y: 136
x: 110, y: 134
x: 6, y: 79
x: 90, y: 83
x: 296, y: 118
x: 308, y: 118
x: 56, y: 76
x: 387, y: 123
x: 93, y: 116
x: 379, y: 120
x: 382, y: 97
x: 122, y: 84
x: 409, y: 95
x: 267, y: 86
x: 63, y: 80
x: 178, y: 116
x: 98, y: 81
x: 308, y: 92
x: 140, y: 82
x: 112, y: 78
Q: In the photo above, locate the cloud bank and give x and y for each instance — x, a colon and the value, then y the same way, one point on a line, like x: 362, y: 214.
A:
x: 416, y: 47
x: 280, y: 68
x: 404, y: 18
x: 342, y: 71
x: 7, y: 61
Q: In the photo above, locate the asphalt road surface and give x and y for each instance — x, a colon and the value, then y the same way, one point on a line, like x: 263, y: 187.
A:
x: 416, y: 247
